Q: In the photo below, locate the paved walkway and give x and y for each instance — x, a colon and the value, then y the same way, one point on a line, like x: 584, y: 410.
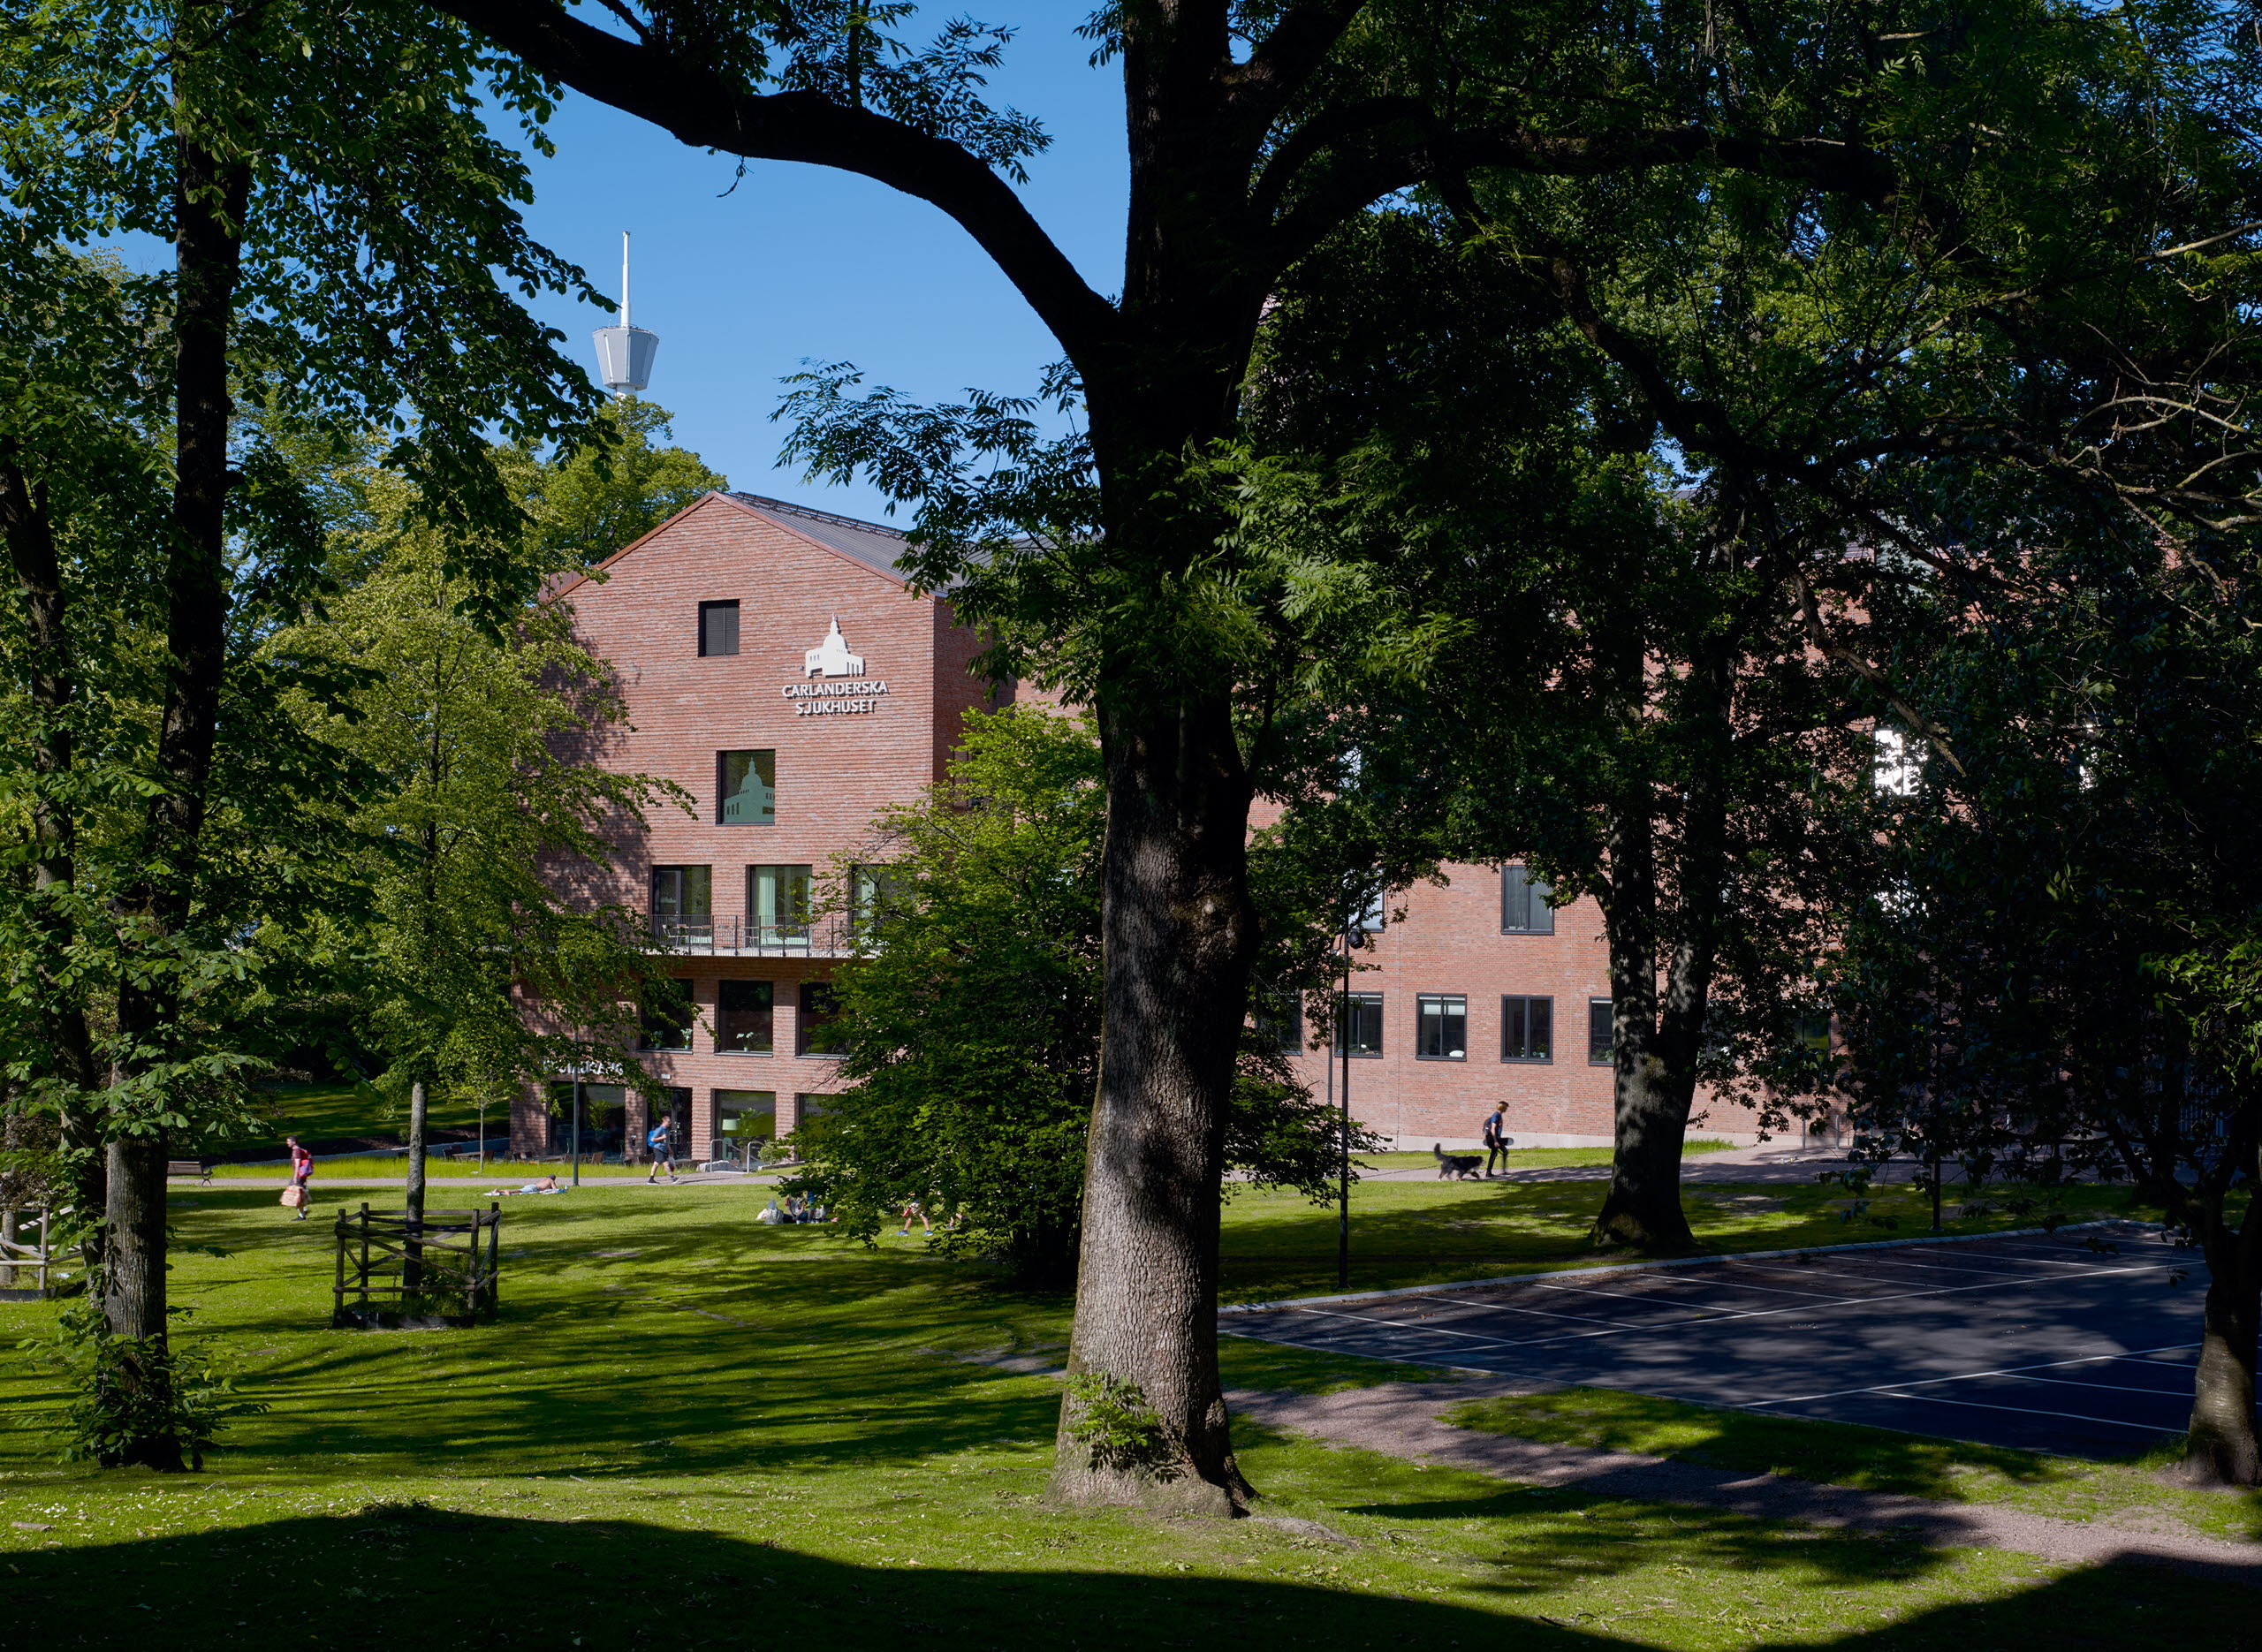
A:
x: 1771, y: 1162
x: 1403, y: 1420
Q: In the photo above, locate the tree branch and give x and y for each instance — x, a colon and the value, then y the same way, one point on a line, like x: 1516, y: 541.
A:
x: 704, y: 110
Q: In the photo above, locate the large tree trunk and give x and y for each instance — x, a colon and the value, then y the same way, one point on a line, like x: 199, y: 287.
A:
x: 209, y: 203
x: 51, y: 690
x: 2221, y: 1449
x: 1178, y: 932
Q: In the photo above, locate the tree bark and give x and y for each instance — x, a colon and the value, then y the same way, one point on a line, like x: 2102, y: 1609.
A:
x: 52, y: 691
x: 209, y: 200
x: 412, y: 1266
x: 2221, y: 1448
x: 1180, y: 933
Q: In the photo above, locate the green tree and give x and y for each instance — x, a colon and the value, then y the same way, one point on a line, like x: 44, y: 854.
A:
x: 974, y: 1025
x: 613, y: 489
x: 344, y: 257
x: 1254, y: 131
x: 478, y: 974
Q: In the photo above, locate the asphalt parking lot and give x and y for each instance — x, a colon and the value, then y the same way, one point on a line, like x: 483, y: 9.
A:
x: 2043, y: 1342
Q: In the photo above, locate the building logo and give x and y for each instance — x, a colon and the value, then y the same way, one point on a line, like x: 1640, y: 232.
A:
x: 831, y: 658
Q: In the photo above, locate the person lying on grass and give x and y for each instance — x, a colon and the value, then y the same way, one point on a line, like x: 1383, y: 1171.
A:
x: 547, y: 1185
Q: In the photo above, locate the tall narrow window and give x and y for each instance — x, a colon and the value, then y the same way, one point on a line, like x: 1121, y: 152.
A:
x: 778, y: 907
x: 872, y: 890
x: 1523, y: 903
x: 747, y: 782
x: 1600, y: 1038
x: 1441, y: 1033
x: 1527, y: 1029
x: 821, y: 1033
x: 1361, y: 1025
x: 663, y: 1019
x: 718, y: 628
x: 744, y: 1016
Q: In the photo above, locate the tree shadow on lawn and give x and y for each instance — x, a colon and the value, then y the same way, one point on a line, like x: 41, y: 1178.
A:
x: 403, y: 1575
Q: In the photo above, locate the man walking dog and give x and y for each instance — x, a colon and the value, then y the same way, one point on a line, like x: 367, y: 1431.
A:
x: 1497, y: 1138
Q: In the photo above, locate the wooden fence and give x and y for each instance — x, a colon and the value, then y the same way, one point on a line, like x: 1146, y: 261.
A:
x: 22, y: 1264
x: 393, y: 1269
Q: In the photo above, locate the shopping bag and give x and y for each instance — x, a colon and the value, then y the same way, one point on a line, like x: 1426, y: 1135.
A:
x: 294, y: 1196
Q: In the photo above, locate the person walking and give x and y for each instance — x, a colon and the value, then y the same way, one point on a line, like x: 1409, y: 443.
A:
x: 661, y: 1139
x: 1496, y: 1138
x: 302, y: 1171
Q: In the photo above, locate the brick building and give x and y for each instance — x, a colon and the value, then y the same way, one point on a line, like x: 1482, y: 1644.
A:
x: 775, y: 666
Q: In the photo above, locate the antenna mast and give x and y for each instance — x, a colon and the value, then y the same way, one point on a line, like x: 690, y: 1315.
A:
x: 625, y: 353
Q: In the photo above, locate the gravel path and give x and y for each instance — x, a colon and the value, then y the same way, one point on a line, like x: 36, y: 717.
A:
x: 1403, y: 1420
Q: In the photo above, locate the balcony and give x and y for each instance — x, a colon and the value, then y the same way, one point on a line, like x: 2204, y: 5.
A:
x: 749, y: 937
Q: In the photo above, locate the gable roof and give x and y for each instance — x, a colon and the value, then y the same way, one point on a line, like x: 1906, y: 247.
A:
x: 877, y: 548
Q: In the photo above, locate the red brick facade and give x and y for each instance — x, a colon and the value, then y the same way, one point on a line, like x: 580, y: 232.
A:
x: 845, y: 749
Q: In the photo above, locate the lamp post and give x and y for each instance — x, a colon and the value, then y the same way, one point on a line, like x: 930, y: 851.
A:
x: 577, y: 1130
x: 1343, y: 1132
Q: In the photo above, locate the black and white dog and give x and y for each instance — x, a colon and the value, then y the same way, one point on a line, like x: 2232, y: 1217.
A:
x: 1455, y: 1167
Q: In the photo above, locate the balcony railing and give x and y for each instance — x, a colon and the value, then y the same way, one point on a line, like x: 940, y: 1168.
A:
x: 749, y: 937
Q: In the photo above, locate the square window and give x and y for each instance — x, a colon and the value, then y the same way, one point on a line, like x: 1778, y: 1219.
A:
x: 747, y: 784
x: 682, y: 891
x: 1600, y: 1038
x: 744, y: 1119
x: 744, y: 1016
x: 1441, y: 1030
x: 778, y: 907
x: 821, y: 1033
x: 1527, y: 1029
x: 663, y: 1019
x: 718, y: 628
x: 1523, y: 903
x: 1361, y: 1025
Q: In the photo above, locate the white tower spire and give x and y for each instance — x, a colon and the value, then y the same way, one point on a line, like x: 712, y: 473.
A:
x: 625, y: 353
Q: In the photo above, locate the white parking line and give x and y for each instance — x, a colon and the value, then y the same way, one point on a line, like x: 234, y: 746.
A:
x: 2112, y: 1388
x: 1502, y: 1308
x: 1711, y: 1319
x: 2026, y: 1411
x: 1966, y: 1376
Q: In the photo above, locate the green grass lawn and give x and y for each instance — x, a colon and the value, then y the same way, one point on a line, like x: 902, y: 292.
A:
x: 691, y: 1431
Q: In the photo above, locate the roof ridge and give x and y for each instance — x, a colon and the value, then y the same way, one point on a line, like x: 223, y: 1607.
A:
x: 765, y: 503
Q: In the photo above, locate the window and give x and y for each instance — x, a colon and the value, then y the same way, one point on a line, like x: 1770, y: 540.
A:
x: 664, y: 1016
x: 1363, y: 1024
x: 744, y: 1119
x: 1279, y: 1018
x: 743, y: 1017
x: 674, y: 1105
x: 682, y: 891
x: 1900, y: 769
x: 820, y: 1018
x: 1527, y: 1029
x: 871, y: 890
x: 1369, y: 918
x: 1599, y: 1037
x: 777, y: 905
x: 747, y: 784
x: 1441, y: 1027
x: 1523, y: 903
x: 718, y: 628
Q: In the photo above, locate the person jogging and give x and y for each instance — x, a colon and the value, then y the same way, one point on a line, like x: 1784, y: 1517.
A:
x: 302, y: 1171
x: 661, y: 1139
x: 1497, y: 1138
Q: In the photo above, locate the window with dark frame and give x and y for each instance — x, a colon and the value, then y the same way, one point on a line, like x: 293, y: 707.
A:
x: 1527, y: 1029
x: 718, y: 628
x: 1279, y: 1018
x: 1441, y: 1026
x: 778, y: 904
x: 1361, y: 1025
x: 1600, y: 1038
x: 821, y: 1032
x: 746, y: 788
x: 663, y: 1019
x: 745, y: 1017
x: 1523, y: 903
x: 683, y: 893
x: 744, y: 1117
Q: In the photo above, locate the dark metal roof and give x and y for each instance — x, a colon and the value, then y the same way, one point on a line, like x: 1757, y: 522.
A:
x: 870, y: 543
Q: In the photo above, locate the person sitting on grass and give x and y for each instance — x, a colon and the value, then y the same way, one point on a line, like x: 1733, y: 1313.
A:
x: 771, y: 1215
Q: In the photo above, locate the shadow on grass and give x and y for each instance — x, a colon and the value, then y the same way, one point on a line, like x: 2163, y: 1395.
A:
x: 399, y: 1575
x: 1832, y: 1454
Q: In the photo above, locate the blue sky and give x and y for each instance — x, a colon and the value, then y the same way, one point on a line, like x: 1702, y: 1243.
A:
x: 801, y: 261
